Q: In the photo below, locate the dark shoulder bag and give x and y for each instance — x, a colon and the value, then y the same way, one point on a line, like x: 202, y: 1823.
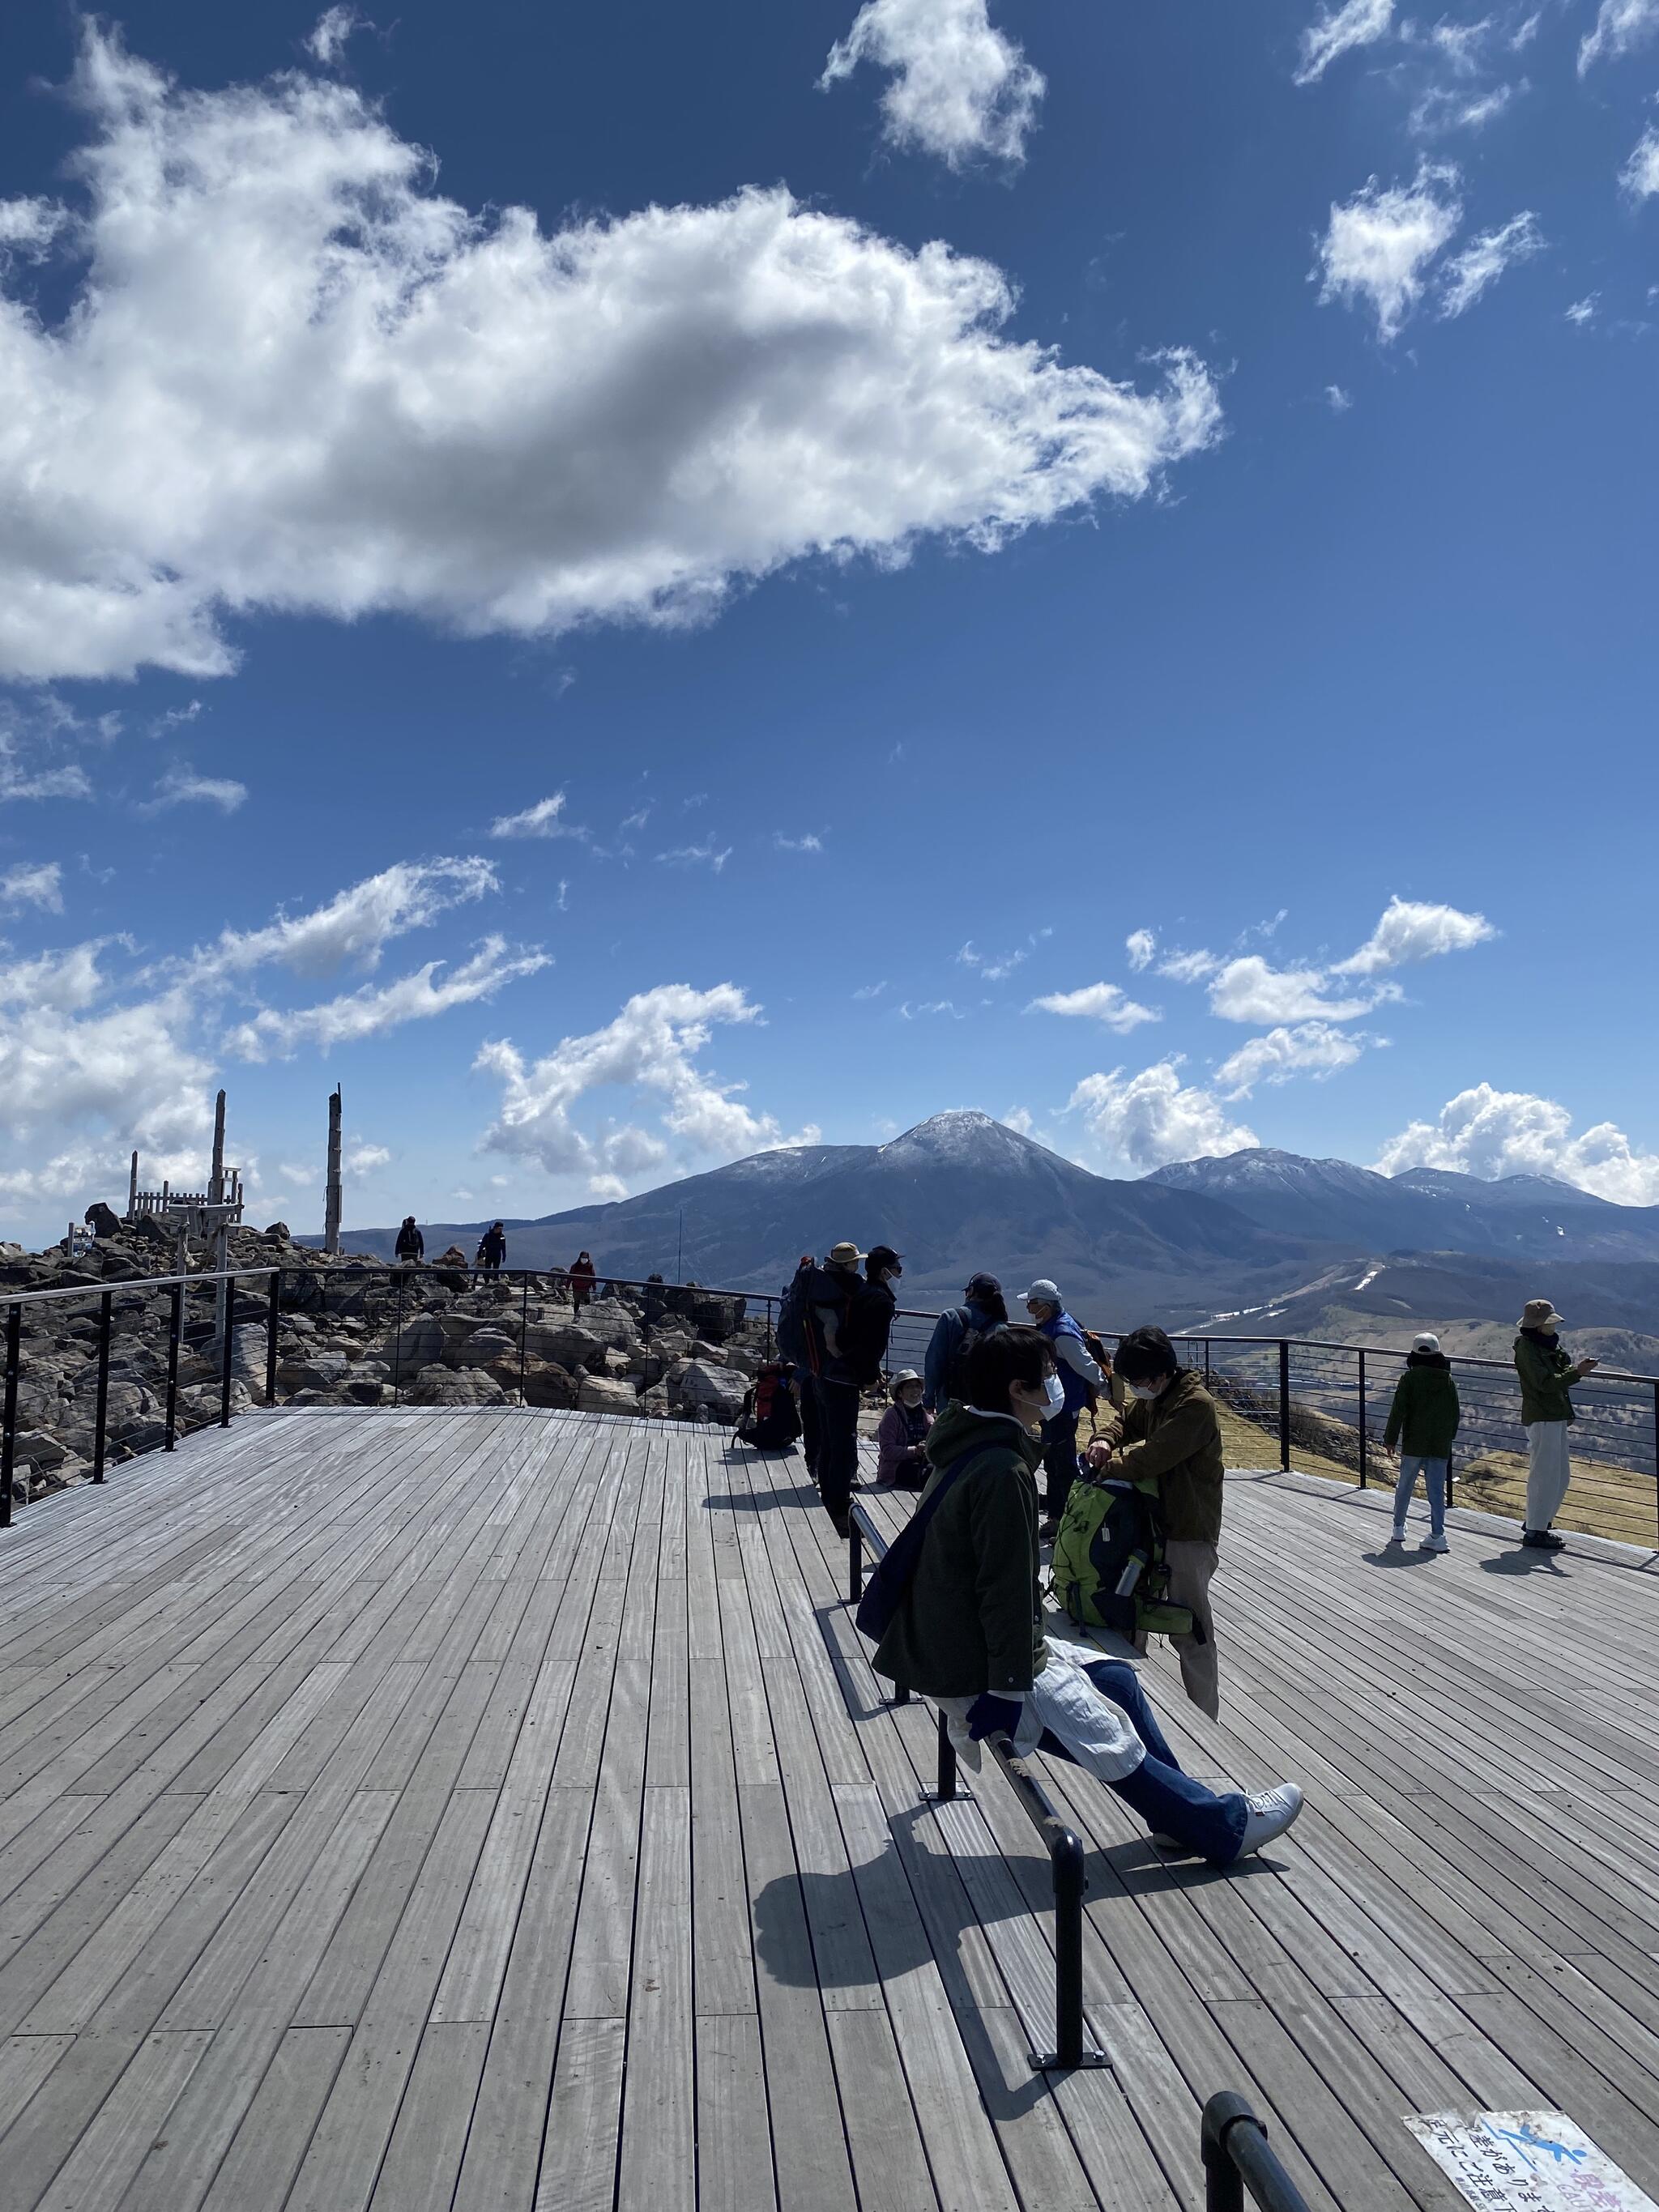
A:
x: 893, y: 1572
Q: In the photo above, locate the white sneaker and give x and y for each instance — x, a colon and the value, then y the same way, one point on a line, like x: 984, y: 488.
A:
x: 1272, y: 1811
x: 1436, y: 1543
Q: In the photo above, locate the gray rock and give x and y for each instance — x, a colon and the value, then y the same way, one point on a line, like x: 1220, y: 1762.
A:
x: 36, y: 1450
x: 567, y: 1344
x: 606, y: 1393
x: 718, y: 1388
x: 438, y: 1385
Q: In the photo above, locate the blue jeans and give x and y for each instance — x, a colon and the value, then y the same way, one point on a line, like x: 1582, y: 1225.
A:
x: 1170, y: 1802
x: 1433, y: 1472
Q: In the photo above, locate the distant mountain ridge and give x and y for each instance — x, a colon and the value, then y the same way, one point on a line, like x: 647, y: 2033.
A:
x: 1256, y: 1230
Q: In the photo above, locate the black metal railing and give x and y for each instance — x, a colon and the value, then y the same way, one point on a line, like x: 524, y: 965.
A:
x: 1237, y: 2156
x: 1065, y: 1858
x: 1318, y: 1407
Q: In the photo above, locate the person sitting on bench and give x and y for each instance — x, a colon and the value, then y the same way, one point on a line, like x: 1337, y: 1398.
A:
x: 968, y: 1631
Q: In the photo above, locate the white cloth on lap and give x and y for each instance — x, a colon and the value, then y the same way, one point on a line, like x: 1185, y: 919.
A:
x: 1095, y: 1730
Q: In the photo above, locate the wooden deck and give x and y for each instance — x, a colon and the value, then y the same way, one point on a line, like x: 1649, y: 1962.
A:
x: 431, y: 1810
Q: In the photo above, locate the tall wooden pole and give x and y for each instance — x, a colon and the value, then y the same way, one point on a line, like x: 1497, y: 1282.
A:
x: 332, y: 1203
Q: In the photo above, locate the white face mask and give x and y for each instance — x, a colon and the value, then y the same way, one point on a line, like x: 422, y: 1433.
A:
x: 1144, y: 1390
x: 1054, y: 1391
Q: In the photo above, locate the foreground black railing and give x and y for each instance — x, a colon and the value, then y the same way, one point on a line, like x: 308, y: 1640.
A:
x: 1237, y: 2156
x: 1065, y: 1851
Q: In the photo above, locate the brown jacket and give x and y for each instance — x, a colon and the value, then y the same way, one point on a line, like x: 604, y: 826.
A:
x: 1175, y: 1440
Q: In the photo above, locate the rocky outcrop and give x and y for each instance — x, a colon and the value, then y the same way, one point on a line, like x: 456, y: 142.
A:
x: 348, y: 1332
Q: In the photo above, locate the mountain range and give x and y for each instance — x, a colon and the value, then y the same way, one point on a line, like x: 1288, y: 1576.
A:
x: 1258, y: 1240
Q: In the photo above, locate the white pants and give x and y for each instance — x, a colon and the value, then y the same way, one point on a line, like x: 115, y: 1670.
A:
x: 1548, y: 1471
x: 1095, y: 1730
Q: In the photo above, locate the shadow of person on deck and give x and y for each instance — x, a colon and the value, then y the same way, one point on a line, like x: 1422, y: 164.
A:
x: 766, y: 1501
x: 1396, y: 1555
x: 1520, y: 1562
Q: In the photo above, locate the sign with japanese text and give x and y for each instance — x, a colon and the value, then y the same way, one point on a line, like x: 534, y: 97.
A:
x: 1526, y: 2162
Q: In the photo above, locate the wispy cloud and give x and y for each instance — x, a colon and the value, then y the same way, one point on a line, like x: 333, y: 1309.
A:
x: 328, y: 38
x: 1583, y: 311
x: 1337, y: 400
x: 909, y: 1011
x: 183, y: 786
x: 871, y: 990
x: 1338, y: 31
x: 707, y: 855
x: 1097, y: 1002
x: 809, y: 843
x: 544, y: 819
x: 1485, y: 259
x: 994, y: 966
x: 1139, y: 945
x: 38, y: 883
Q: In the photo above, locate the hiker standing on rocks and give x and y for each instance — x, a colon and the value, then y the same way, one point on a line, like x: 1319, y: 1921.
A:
x: 1423, y: 1420
x: 582, y: 1277
x: 492, y: 1248
x: 1082, y: 1380
x: 1170, y: 1434
x: 967, y: 1629
x: 955, y: 1332
x: 412, y: 1245
x: 1547, y: 1374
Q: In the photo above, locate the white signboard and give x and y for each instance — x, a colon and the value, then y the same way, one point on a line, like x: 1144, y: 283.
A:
x: 1526, y: 2162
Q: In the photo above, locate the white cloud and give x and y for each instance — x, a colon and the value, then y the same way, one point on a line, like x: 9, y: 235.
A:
x: 1484, y: 261
x: 812, y: 842
x: 1488, y: 1132
x: 1619, y: 25
x: 1337, y: 400
x: 291, y: 1172
x: 356, y: 925
x: 871, y: 990
x: 1187, y: 967
x: 1019, y: 1119
x: 1379, y: 245
x: 708, y: 854
x: 1338, y: 31
x: 1139, y: 945
x: 1311, y: 1049
x: 1411, y: 929
x: 1448, y: 107
x: 37, y: 883
x: 365, y: 1159
x: 1584, y: 311
x: 183, y: 786
x: 544, y: 819
x: 651, y: 1047
x: 289, y: 376
x: 327, y: 40
x: 1250, y: 990
x: 909, y: 1010
x: 1146, y: 1121
x: 1098, y: 1002
x: 959, y: 87
x: 1640, y: 174
x: 370, y: 1012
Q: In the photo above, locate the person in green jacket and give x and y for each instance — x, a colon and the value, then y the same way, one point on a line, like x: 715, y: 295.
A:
x: 1547, y: 1374
x: 1169, y: 1433
x: 968, y: 1631
x: 1422, y: 1421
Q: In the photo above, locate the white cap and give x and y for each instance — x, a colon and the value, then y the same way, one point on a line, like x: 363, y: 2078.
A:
x: 1045, y: 1293
x: 1428, y: 1341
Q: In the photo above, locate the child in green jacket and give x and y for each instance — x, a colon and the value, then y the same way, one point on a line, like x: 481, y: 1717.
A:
x: 1422, y: 1421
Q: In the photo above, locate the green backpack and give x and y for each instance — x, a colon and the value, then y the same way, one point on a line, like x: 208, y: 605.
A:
x: 1108, y: 1569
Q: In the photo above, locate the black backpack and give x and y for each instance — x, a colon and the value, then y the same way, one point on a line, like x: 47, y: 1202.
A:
x: 955, y: 1375
x: 794, y: 1331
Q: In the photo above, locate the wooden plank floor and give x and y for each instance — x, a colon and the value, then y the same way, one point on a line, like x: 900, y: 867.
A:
x: 454, y: 1810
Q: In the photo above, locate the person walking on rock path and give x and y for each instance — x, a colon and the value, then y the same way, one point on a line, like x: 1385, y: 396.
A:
x: 410, y: 1245
x: 1422, y: 1421
x: 1547, y: 1374
x: 582, y: 1279
x: 967, y: 1629
x: 492, y: 1249
x: 1170, y: 1435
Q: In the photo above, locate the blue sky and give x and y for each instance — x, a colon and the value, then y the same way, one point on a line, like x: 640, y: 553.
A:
x: 629, y: 585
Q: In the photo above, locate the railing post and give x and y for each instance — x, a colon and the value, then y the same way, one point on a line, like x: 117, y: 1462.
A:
x: 8, y: 1412
x: 1285, y: 1404
x: 100, y: 1420
x: 225, y: 1351
x: 398, y: 1341
x: 1362, y: 1420
x: 854, y: 1560
x: 945, y: 1793
x: 1224, y: 2185
x: 271, y: 1313
x: 1655, y: 1448
x: 175, y: 1333
x: 1067, y: 1853
x: 524, y: 1338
